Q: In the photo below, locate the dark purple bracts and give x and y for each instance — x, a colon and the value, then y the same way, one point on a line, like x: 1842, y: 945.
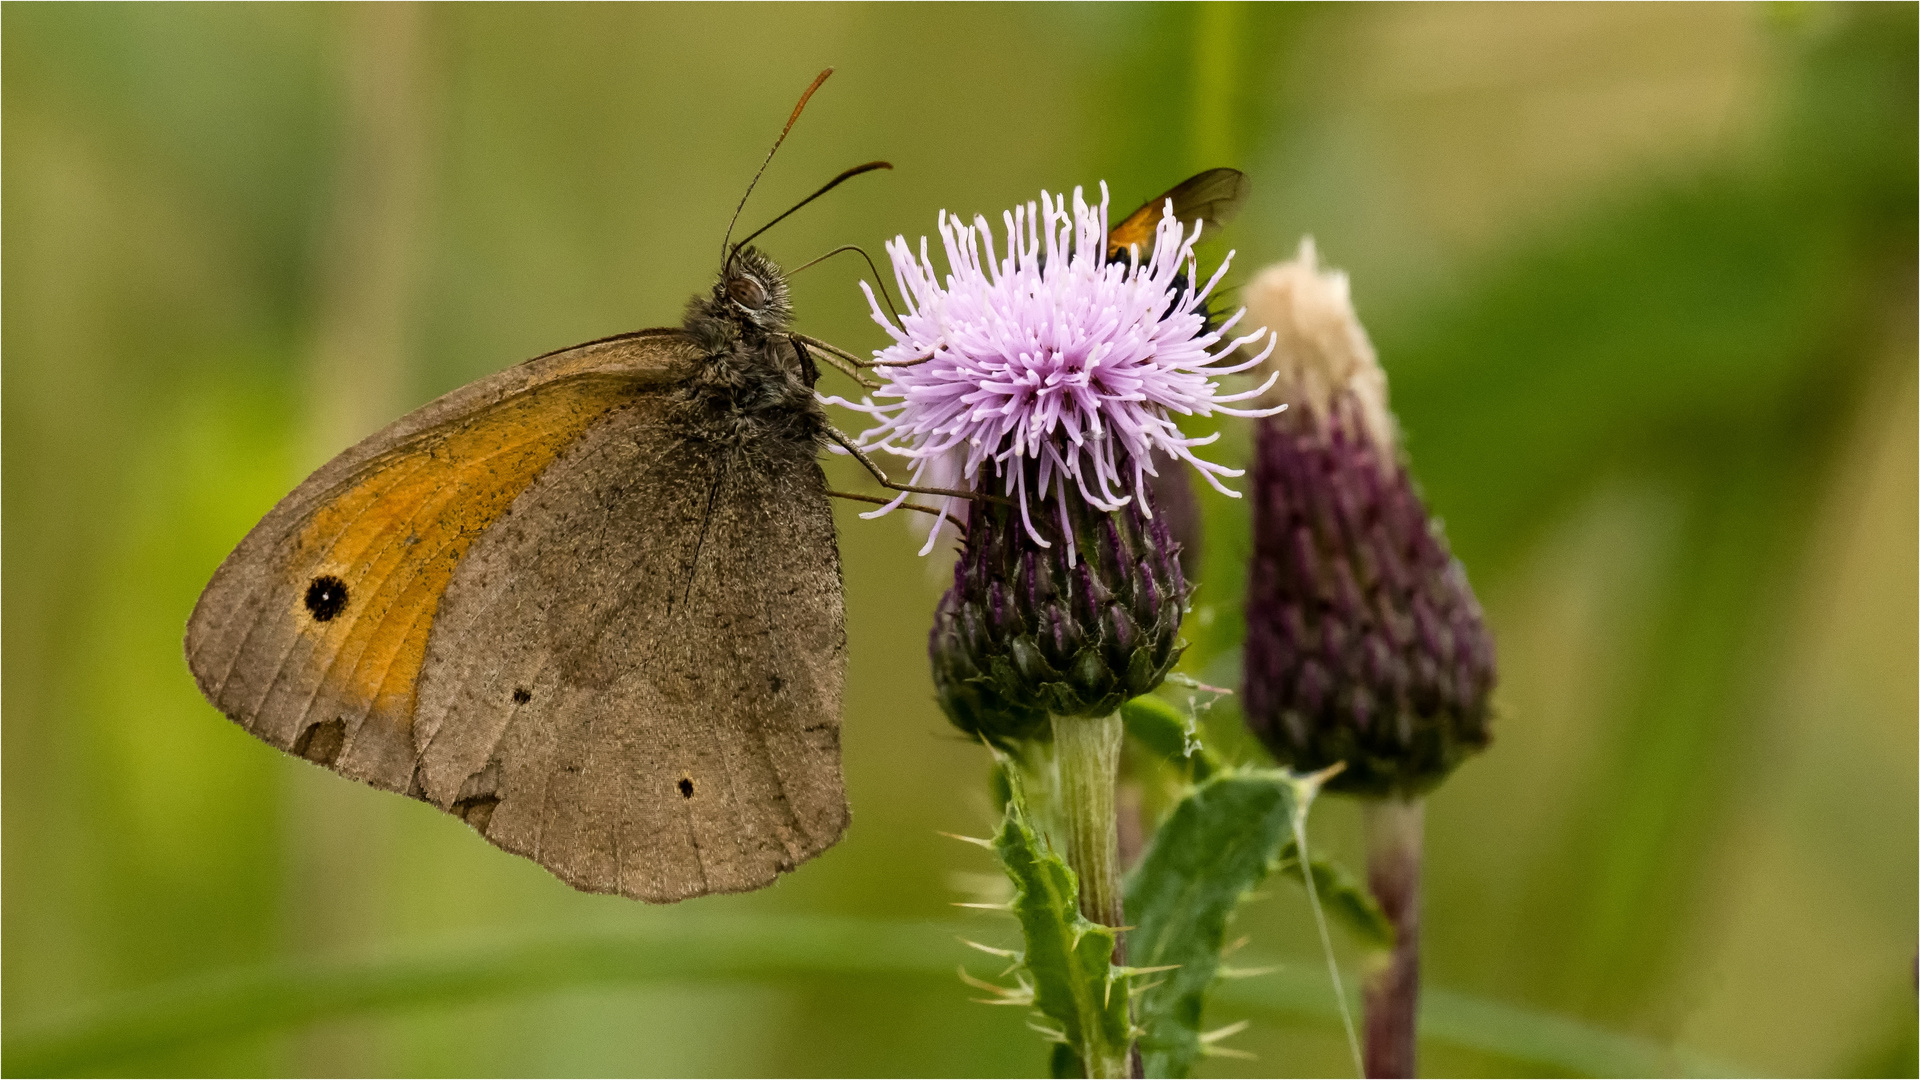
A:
x: 1364, y: 641
x: 1022, y: 634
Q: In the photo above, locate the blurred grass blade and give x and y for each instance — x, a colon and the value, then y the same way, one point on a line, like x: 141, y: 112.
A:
x: 1542, y: 1040
x: 251, y: 1001
x: 242, y: 1001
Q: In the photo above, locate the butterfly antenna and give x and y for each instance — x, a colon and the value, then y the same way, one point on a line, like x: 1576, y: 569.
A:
x: 831, y: 184
x: 725, y: 242
x: 863, y: 254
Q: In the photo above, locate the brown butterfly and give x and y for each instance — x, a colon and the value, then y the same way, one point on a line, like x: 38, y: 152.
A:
x: 590, y: 604
x: 1213, y: 197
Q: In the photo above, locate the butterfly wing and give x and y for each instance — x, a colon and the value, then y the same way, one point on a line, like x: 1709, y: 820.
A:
x: 312, y: 633
x: 609, y: 649
x: 1212, y: 198
x: 636, y: 679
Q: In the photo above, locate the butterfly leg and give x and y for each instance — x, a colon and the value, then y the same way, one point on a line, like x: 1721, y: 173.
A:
x: 852, y: 359
x: 800, y: 345
x: 878, y: 501
x: 846, y: 441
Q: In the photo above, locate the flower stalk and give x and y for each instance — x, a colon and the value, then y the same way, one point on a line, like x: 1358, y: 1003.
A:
x: 1086, y: 752
x: 1394, y: 829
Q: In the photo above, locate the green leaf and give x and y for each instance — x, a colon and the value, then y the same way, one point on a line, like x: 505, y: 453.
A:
x: 1344, y: 898
x: 1159, y: 725
x: 1218, y: 843
x: 1068, y: 959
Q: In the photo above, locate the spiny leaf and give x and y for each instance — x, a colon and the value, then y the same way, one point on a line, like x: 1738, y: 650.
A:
x: 1216, y: 846
x: 1010, y: 954
x: 1068, y: 958
x: 974, y: 840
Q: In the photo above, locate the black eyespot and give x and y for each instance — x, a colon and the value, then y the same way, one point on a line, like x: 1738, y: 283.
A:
x: 326, y: 597
x: 522, y: 695
x: 747, y: 292
x: 686, y: 788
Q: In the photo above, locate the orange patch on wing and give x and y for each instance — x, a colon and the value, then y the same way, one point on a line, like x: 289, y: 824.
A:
x: 395, y: 537
x: 1136, y: 229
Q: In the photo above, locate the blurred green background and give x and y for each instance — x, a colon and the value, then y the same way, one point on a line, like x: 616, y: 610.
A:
x: 1643, y: 278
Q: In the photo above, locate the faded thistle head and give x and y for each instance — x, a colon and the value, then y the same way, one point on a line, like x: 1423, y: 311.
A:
x: 1364, y: 644
x: 1050, y: 376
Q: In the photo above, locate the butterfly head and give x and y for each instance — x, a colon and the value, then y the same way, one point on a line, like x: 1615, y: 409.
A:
x: 755, y: 387
x: 751, y: 293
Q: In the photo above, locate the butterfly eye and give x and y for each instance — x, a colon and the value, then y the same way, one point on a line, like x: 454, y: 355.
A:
x: 747, y: 292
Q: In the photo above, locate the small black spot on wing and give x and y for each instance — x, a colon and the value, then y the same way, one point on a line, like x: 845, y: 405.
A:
x: 686, y: 788
x: 522, y: 695
x: 326, y: 597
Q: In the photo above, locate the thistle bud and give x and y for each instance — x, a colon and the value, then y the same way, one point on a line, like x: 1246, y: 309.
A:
x: 1364, y: 643
x: 1068, y: 613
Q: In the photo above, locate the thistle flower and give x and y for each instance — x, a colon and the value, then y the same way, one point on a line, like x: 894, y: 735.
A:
x: 1052, y: 376
x: 1364, y: 641
x: 1172, y: 499
x: 1051, y: 373
x: 1365, y: 645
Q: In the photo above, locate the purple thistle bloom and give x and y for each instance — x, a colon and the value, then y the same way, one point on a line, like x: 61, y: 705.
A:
x: 1052, y: 368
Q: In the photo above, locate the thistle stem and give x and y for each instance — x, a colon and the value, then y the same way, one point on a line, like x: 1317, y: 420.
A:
x: 1087, y: 753
x: 1394, y: 830
x: 1087, y: 756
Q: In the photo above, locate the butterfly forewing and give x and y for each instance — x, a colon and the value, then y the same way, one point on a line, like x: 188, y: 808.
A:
x: 591, y: 605
x: 312, y: 631
x: 1211, y: 198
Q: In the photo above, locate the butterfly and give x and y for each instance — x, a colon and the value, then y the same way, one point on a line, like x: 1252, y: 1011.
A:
x: 590, y: 604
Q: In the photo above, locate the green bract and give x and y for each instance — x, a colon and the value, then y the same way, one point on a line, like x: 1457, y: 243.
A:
x: 1073, y: 628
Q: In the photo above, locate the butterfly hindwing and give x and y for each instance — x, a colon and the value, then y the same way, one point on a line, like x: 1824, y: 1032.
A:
x: 636, y: 679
